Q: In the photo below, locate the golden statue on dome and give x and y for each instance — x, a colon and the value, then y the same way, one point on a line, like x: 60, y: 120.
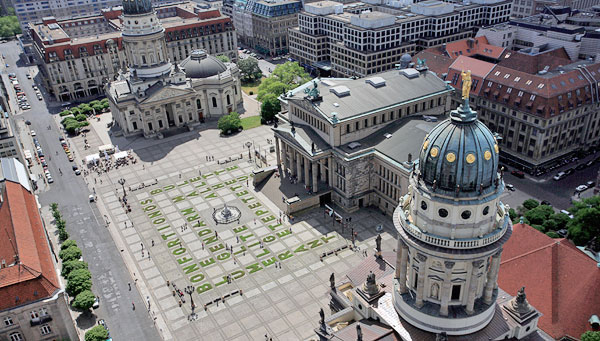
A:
x: 466, y: 86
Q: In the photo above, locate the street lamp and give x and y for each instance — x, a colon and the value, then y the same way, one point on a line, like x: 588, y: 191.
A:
x: 249, y: 144
x: 190, y: 290
x: 121, y: 182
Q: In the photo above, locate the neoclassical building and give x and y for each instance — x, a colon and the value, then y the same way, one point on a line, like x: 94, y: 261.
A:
x: 155, y: 95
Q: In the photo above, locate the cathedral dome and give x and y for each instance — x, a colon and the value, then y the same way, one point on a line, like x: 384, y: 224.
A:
x: 133, y: 7
x: 201, y: 65
x: 460, y: 154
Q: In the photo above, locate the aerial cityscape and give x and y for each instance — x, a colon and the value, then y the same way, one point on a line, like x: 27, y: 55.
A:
x: 316, y: 170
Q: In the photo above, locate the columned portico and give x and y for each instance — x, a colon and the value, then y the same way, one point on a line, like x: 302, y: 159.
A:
x: 315, y: 172
x: 473, y: 286
x: 306, y: 171
x: 298, y: 166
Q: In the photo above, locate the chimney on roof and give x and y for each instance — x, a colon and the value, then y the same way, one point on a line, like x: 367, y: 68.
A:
x: 470, y: 42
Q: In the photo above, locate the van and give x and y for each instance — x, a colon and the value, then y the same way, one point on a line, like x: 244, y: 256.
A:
x: 567, y: 213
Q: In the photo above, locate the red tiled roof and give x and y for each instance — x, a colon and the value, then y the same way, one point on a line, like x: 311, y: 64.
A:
x: 549, y: 60
x: 561, y: 281
x: 33, y: 276
x: 479, y: 70
x: 473, y: 46
x: 435, y: 62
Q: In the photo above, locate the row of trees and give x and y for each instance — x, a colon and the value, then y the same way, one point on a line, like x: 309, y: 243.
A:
x: 73, y: 124
x: 60, y: 223
x: 94, y: 107
x: 582, y: 228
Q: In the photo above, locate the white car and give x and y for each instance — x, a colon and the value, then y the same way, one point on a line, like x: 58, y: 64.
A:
x: 33, y: 133
x: 581, y: 188
x: 559, y: 176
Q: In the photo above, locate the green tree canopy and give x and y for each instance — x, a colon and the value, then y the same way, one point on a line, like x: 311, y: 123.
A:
x: 539, y: 214
x: 78, y: 281
x: 84, y: 300
x: 270, y: 107
x: 285, y: 77
x: 70, y: 253
x: 223, y: 58
x: 590, y: 336
x: 98, y: 333
x: 249, y: 69
x: 72, y: 265
x: 229, y: 123
x: 552, y: 234
x: 530, y: 204
x: 9, y: 26
x: 584, y: 225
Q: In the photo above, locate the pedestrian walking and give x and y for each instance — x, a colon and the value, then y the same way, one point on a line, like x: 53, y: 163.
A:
x: 152, y: 242
x: 129, y: 286
x: 133, y: 305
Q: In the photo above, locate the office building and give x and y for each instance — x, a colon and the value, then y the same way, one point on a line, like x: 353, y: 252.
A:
x: 78, y: 57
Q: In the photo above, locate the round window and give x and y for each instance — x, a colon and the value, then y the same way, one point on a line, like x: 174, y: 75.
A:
x: 136, y: 22
x: 466, y: 214
x: 423, y: 205
x: 443, y: 212
x: 486, y: 210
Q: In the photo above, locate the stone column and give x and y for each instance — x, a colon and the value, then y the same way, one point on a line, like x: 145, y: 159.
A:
x: 299, y: 166
x: 315, y: 172
x: 402, y: 265
x: 322, y: 170
x: 306, y: 171
x: 421, y: 280
x: 446, y: 286
x: 330, y: 170
x: 277, y: 152
x: 473, y: 286
x: 492, y: 277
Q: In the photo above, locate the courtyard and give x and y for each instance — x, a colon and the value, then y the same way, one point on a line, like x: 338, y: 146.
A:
x: 260, y: 274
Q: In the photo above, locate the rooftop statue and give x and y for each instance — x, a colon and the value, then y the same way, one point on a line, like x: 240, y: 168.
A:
x: 466, y: 87
x: 314, y: 92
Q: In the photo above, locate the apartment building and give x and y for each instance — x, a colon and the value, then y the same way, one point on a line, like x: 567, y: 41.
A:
x: 577, y: 31
x: 542, y: 104
x: 342, y: 141
x: 34, y: 304
x: 527, y: 8
x: 263, y: 25
x: 365, y: 38
x: 78, y: 56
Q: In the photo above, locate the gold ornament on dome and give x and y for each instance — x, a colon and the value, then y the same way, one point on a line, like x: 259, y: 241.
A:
x: 470, y: 158
x: 425, y: 144
x: 450, y: 157
x: 487, y: 155
x: 496, y: 148
x: 466, y: 87
x: 434, y: 152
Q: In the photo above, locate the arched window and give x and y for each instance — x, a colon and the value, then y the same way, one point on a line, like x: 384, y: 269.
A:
x: 228, y: 100
x: 143, y: 59
x: 214, y: 100
x: 199, y: 104
x: 435, y: 291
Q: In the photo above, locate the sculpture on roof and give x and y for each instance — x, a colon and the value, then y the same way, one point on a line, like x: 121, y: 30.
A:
x: 314, y: 92
x: 521, y: 295
x: 371, y: 278
x: 466, y: 87
x: 332, y: 281
x: 421, y: 62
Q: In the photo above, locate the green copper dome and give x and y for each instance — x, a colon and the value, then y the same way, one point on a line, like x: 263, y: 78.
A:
x: 137, y: 7
x: 460, y: 155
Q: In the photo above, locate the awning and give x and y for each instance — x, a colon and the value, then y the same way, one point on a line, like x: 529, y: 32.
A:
x: 92, y: 158
x: 506, y: 97
x: 496, y: 93
x: 518, y: 101
x: 106, y: 147
x: 487, y: 90
x: 120, y: 155
x: 529, y: 104
x: 540, y: 108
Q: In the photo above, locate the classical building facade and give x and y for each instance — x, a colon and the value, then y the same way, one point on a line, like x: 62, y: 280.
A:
x: 34, y: 304
x: 156, y: 95
x: 369, y: 37
x: 340, y: 140
x: 77, y: 57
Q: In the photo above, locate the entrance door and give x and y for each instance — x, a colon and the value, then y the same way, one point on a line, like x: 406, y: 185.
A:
x: 170, y: 118
x: 361, y: 202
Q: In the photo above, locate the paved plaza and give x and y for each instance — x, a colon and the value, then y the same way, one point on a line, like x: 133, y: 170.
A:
x: 259, y: 275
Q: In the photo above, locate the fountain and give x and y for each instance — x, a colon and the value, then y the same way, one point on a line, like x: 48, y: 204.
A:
x: 226, y: 214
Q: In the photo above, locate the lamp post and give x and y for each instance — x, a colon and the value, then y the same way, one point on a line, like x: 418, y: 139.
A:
x: 121, y: 182
x: 249, y: 144
x: 190, y: 290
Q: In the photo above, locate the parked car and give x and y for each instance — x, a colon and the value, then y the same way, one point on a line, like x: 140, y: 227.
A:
x: 28, y: 76
x: 96, y: 304
x: 518, y: 174
x: 92, y: 198
x: 559, y: 176
x: 546, y: 202
x: 563, y: 233
x: 76, y: 169
x: 33, y: 133
x: 567, y: 213
x: 590, y: 184
x: 581, y: 188
x: 510, y: 187
x: 50, y: 179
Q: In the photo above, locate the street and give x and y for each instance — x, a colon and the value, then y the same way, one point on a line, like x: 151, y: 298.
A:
x: 85, y: 225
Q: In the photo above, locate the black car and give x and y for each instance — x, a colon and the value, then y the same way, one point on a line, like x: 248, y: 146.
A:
x: 518, y: 174
x: 546, y: 202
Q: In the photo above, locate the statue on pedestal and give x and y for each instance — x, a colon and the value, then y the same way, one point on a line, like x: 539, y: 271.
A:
x: 332, y: 281
x: 378, y: 243
x: 466, y: 86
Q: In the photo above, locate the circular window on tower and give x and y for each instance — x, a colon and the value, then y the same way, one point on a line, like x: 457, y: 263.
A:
x: 443, y: 212
x: 423, y: 205
x: 486, y: 210
x: 136, y: 22
x: 465, y: 214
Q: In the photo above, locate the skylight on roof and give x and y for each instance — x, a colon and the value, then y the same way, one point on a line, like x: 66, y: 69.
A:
x: 541, y: 86
x: 376, y: 82
x: 506, y: 76
x: 528, y: 82
x: 517, y: 79
x: 497, y: 73
x: 340, y: 90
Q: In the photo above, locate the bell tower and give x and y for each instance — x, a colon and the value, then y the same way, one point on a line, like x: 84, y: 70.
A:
x: 144, y: 40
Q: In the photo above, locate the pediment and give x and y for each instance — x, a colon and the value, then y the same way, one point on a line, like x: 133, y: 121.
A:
x: 167, y: 92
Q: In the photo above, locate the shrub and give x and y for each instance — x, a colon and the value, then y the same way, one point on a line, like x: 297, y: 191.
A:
x: 54, y: 206
x: 229, y: 123
x: 63, y: 235
x: 530, y: 204
x: 98, y: 333
x: 70, y: 253
x: 81, y: 117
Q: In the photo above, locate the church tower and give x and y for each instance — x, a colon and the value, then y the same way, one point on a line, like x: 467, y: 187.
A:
x: 144, y: 40
x: 451, y: 226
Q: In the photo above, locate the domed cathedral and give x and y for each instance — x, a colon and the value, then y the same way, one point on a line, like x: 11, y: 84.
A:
x: 154, y: 95
x: 451, y: 226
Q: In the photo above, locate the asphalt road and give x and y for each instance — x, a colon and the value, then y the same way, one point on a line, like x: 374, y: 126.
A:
x: 85, y: 225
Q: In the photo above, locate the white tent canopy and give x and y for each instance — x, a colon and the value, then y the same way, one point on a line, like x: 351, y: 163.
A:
x: 120, y: 155
x: 92, y: 158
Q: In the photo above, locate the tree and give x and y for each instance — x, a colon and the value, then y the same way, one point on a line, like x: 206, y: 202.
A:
x: 81, y: 117
x: 78, y: 281
x: 584, y: 225
x: 590, y: 336
x: 530, y: 204
x: 67, y: 244
x: 65, y: 113
x: 71, y: 266
x: 98, y: 333
x: 552, y: 234
x: 85, y: 108
x: 270, y: 86
x: 223, y: 58
x: 9, y: 26
x: 54, y: 206
x: 538, y: 227
x: 561, y: 220
x: 63, y: 235
x: 513, y: 215
x: 249, y: 69
x: 70, y: 253
x: 269, y: 108
x: 539, y: 214
x: 285, y: 77
x: 84, y: 300
x: 229, y: 123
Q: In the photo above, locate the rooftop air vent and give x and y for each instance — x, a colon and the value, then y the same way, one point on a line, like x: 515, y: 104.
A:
x: 409, y: 73
x: 376, y: 82
x: 354, y: 145
x: 336, y: 104
x: 53, y: 26
x: 340, y: 90
x: 327, y: 82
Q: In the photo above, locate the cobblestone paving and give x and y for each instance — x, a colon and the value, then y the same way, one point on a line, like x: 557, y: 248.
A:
x: 275, y: 263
